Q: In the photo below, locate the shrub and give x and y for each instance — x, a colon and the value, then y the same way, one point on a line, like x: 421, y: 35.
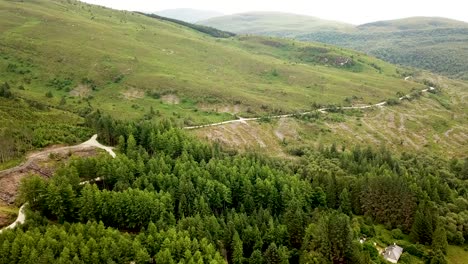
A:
x: 397, y: 233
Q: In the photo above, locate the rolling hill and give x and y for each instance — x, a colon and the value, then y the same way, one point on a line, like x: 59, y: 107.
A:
x: 188, y: 14
x: 431, y: 43
x: 274, y: 24
x: 137, y: 63
x: 392, y: 172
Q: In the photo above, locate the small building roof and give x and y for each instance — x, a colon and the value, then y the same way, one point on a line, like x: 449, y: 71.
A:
x: 393, y: 253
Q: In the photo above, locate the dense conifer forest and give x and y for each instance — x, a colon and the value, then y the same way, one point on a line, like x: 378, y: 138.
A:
x: 169, y: 198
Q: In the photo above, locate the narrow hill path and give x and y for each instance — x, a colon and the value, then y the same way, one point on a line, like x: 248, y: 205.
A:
x: 321, y: 110
x: 91, y: 143
x: 19, y: 220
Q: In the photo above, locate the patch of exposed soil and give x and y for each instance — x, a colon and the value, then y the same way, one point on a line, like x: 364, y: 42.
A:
x: 286, y: 129
x: 81, y: 90
x: 231, y: 109
x: 44, y: 164
x: 170, y: 99
x: 133, y: 93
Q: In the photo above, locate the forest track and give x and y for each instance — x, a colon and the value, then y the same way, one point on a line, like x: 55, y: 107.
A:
x: 321, y: 110
x: 29, y: 164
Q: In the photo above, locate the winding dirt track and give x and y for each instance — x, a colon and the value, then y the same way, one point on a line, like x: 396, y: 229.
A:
x: 321, y: 110
x: 91, y: 143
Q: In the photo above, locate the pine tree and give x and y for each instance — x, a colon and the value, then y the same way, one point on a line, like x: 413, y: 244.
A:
x: 340, y: 236
x: 131, y: 146
x: 438, y: 258
x: 237, y: 250
x: 421, y: 230
x: 345, y: 203
x: 271, y: 255
x: 439, y: 240
x: 121, y: 144
x: 256, y: 257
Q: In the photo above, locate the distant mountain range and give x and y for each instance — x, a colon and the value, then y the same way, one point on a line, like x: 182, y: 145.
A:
x: 432, y: 43
x: 188, y: 14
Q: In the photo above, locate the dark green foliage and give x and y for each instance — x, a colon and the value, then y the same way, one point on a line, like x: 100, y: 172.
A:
x: 331, y: 238
x: 248, y: 208
x: 204, y: 29
x: 393, y: 101
x: 5, y: 91
x: 60, y: 84
x: 423, y: 225
x: 272, y: 255
x: 345, y: 204
x: 438, y: 258
x: 436, y: 49
x: 439, y: 240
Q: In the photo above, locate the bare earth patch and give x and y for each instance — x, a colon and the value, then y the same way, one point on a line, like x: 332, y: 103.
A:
x: 133, y: 93
x: 231, y: 109
x: 43, y: 165
x: 243, y: 136
x: 286, y: 129
x: 81, y: 90
x: 170, y: 99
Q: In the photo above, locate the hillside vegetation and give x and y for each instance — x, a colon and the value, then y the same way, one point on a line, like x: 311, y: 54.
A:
x: 431, y: 43
x: 137, y: 63
x: 70, y: 70
x: 168, y: 198
x: 431, y: 123
x: 274, y: 24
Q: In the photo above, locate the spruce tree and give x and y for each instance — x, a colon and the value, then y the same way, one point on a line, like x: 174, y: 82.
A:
x: 421, y: 230
x: 438, y: 258
x: 256, y: 257
x: 345, y: 203
x: 272, y: 255
x: 237, y: 251
x: 439, y: 240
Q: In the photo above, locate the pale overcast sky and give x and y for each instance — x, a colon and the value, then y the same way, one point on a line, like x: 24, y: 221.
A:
x: 351, y: 11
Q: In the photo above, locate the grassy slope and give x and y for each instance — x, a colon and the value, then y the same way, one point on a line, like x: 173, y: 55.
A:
x: 273, y: 23
x: 126, y: 55
x: 435, y: 44
x: 457, y: 255
x: 431, y: 43
x: 435, y: 124
x: 54, y: 39
x: 25, y: 126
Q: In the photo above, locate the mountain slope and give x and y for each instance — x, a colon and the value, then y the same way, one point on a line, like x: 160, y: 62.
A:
x: 136, y: 63
x: 188, y: 14
x: 273, y: 24
x: 431, y: 43
x: 434, y: 44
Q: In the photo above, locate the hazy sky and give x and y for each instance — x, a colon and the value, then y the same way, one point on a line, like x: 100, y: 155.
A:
x: 351, y: 11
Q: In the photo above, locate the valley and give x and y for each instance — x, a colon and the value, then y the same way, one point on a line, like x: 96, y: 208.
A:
x: 128, y: 137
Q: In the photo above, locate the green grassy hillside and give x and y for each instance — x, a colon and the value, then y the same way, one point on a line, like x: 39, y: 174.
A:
x: 433, y: 124
x: 131, y: 66
x: 435, y: 44
x: 274, y: 24
x: 431, y: 43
